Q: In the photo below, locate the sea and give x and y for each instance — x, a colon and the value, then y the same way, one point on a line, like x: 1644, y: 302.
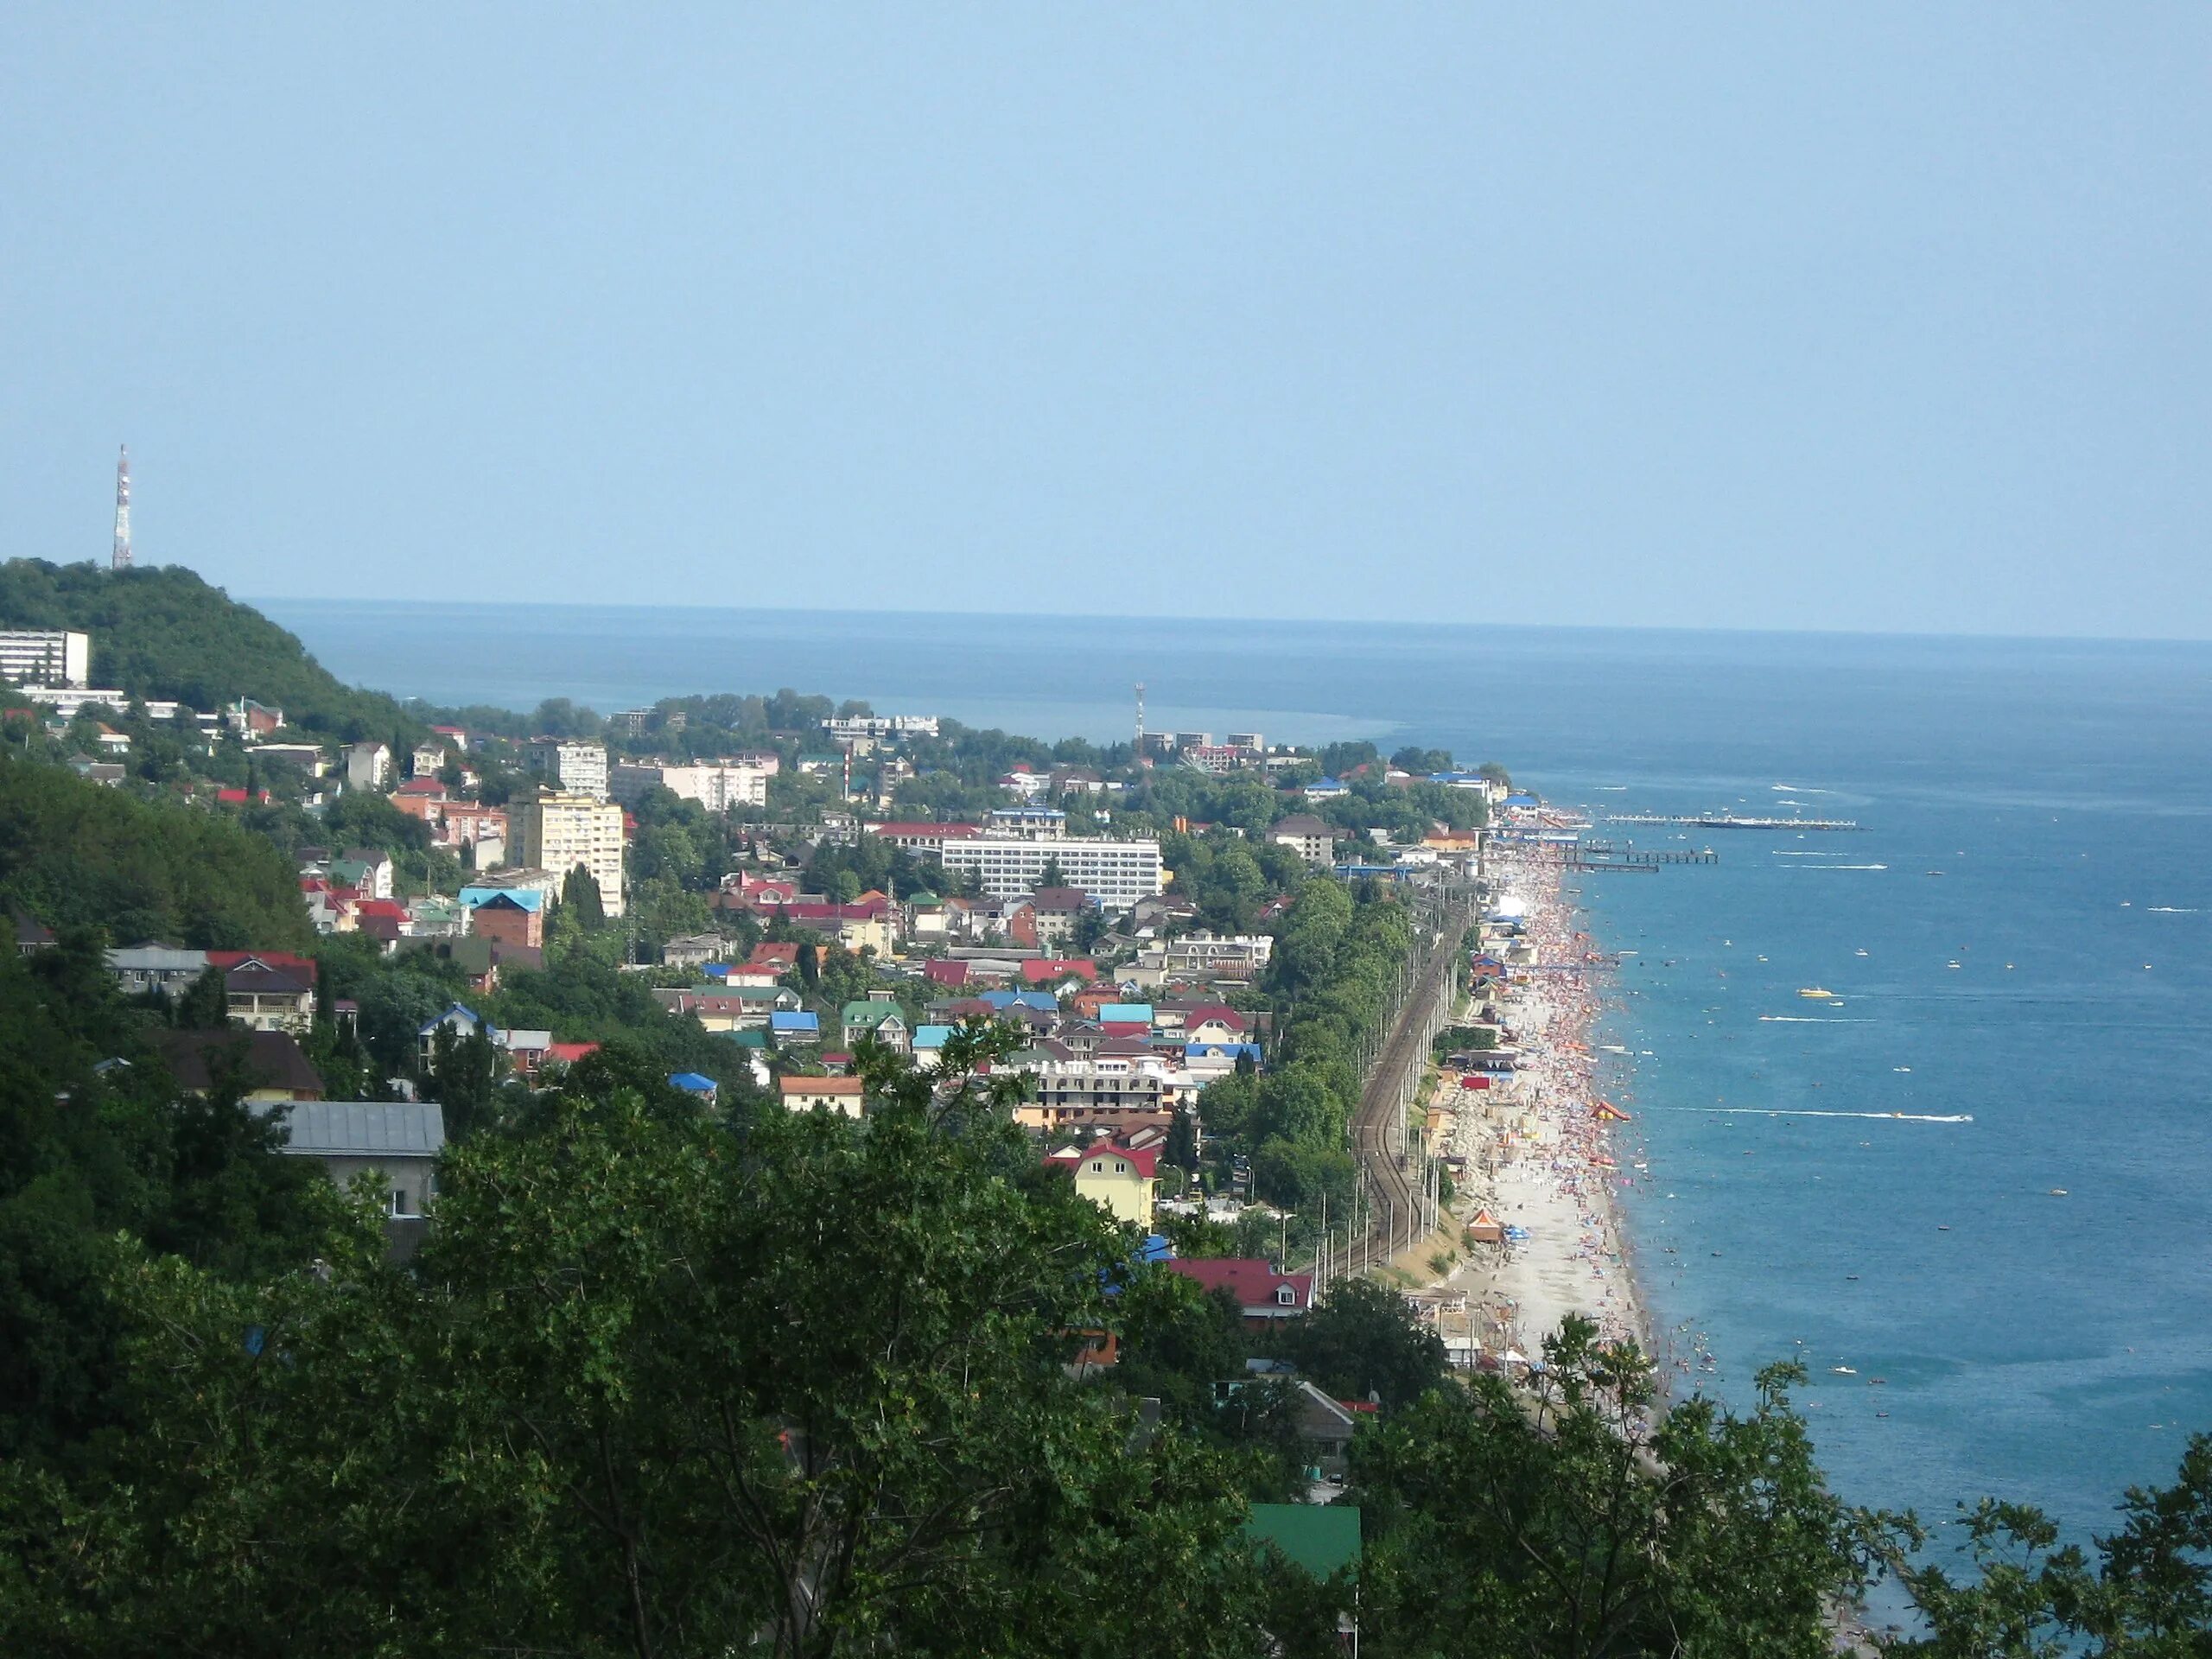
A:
x: 2019, y: 934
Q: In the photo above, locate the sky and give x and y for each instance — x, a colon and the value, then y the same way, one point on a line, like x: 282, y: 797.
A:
x: 1886, y: 317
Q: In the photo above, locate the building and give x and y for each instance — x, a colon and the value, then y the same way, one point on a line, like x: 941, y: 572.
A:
x: 718, y: 785
x: 1098, y: 1088
x: 368, y: 766
x: 1115, y: 873
x: 573, y: 768
x: 139, y: 969
x: 266, y: 1066
x: 851, y: 725
x: 1262, y: 1294
x: 397, y: 1141
x: 1117, y: 1177
x: 827, y: 1094
x: 1306, y: 835
x: 880, y: 1021
x: 511, y: 917
x: 928, y: 838
x: 1209, y: 956
x: 1030, y: 820
x: 268, y: 990
x: 52, y: 656
x: 562, y: 829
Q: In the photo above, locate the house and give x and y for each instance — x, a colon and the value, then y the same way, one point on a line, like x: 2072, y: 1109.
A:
x: 695, y: 1084
x: 788, y: 1028
x: 267, y: 1066
x: 424, y: 760
x: 1057, y: 911
x: 881, y: 1020
x: 1262, y: 1294
x: 368, y: 766
x: 1115, y: 1176
x: 826, y: 1094
x: 778, y: 958
x: 736, y: 1008
x: 1326, y: 1426
x: 479, y: 958
x: 397, y: 1141
x: 459, y: 1019
x: 268, y: 990
x: 252, y: 721
x: 693, y: 950
x: 33, y: 936
x: 929, y: 1045
x: 512, y: 916
x: 1306, y: 835
x: 1058, y: 970
x: 940, y: 970
x: 107, y: 773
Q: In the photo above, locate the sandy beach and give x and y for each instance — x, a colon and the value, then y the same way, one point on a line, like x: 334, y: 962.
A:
x: 1537, y: 1156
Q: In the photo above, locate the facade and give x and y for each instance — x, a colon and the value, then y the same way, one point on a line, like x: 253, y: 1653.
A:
x: 880, y: 1021
x: 1306, y: 835
x: 1117, y: 1177
x: 930, y: 838
x: 268, y: 990
x: 574, y: 768
x: 828, y: 1094
x: 1115, y: 873
x: 563, y: 828
x: 267, y: 1066
x: 139, y: 969
x: 1202, y: 955
x: 718, y: 785
x: 368, y: 766
x: 397, y: 1140
x: 509, y: 917
x: 55, y: 657
x: 1098, y: 1087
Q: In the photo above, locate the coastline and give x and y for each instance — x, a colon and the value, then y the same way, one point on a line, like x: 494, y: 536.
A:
x: 1537, y: 1157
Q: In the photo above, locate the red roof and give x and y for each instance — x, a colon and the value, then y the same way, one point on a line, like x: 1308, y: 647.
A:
x: 237, y: 797
x: 782, y: 958
x: 924, y: 831
x: 1251, y: 1281
x: 569, y: 1053
x: 421, y: 786
x: 1041, y: 971
x: 390, y: 907
x: 1199, y: 1013
x: 940, y: 971
x: 227, y: 959
x: 1075, y: 1157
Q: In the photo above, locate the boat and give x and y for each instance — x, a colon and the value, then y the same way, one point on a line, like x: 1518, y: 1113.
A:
x: 1817, y: 992
x: 1843, y: 1370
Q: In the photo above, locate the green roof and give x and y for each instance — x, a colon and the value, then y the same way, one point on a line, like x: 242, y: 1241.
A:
x: 744, y: 1038
x: 1323, y: 1538
x: 866, y: 1012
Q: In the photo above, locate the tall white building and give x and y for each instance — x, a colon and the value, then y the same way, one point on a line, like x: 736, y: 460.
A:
x: 575, y: 768
x: 55, y: 657
x: 1115, y: 873
x: 718, y: 785
x: 561, y: 830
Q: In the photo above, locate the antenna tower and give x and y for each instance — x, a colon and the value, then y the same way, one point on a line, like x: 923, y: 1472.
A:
x: 1140, y: 749
x: 122, y: 557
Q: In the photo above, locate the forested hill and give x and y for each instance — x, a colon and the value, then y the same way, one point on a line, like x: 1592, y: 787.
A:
x: 163, y: 633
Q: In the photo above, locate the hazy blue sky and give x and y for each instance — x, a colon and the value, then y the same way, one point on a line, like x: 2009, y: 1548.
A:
x: 1855, y: 317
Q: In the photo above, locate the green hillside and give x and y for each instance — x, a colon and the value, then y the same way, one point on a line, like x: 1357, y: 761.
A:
x: 163, y: 633
x: 74, y: 854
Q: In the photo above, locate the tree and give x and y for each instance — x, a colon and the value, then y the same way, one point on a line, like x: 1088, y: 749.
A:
x: 465, y: 1079
x: 205, y: 1003
x: 1585, y: 1519
x: 580, y: 896
x: 1361, y: 1339
x: 643, y: 1395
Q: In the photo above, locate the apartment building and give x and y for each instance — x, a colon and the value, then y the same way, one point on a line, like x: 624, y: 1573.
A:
x: 718, y: 785
x: 1116, y: 874
x: 561, y: 828
x: 573, y: 767
x: 55, y: 657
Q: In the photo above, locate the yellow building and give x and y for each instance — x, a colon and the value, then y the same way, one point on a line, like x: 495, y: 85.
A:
x: 1118, y: 1180
x: 557, y: 831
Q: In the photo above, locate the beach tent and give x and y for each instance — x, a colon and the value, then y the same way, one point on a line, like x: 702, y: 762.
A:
x: 1486, y: 1230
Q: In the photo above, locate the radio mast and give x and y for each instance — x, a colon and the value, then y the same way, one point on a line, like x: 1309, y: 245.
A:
x: 1139, y: 755
x: 122, y: 557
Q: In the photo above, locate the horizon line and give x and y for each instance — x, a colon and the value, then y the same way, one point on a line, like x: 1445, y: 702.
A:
x: 1410, y: 624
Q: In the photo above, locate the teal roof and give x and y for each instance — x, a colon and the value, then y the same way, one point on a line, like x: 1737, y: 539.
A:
x: 1125, y: 1014
x: 1323, y: 1538
x: 931, y: 1036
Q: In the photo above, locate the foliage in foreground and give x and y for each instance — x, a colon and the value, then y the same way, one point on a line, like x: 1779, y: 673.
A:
x: 665, y: 1384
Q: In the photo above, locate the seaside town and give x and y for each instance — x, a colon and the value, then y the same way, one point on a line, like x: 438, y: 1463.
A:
x: 793, y: 904
x: 1297, y: 1047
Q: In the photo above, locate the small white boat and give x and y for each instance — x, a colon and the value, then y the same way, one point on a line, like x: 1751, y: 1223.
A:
x: 1843, y: 1370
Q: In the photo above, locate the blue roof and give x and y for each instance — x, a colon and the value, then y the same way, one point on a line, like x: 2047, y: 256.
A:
x: 1193, y: 1050
x: 931, y: 1036
x: 469, y: 1016
x: 1043, y: 1000
x: 524, y: 898
x: 999, y: 999
x: 1520, y: 800
x: 785, y: 1019
x: 1125, y: 1014
x: 693, y: 1082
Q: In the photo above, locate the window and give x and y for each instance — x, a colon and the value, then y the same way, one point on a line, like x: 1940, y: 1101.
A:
x: 1287, y: 1297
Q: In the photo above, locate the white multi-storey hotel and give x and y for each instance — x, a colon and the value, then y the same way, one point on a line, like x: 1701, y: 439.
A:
x: 1115, y: 873
x: 51, y: 657
x: 718, y: 785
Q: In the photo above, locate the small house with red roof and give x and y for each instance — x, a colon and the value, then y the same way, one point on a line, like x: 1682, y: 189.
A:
x: 1118, y: 1178
x: 1262, y: 1294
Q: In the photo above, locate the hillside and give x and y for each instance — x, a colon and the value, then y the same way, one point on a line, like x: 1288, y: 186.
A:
x: 73, y: 854
x: 163, y: 633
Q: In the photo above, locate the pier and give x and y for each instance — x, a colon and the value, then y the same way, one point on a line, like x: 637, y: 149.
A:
x: 1725, y: 822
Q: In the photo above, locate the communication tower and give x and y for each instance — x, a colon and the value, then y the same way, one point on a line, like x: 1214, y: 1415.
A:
x: 122, y: 557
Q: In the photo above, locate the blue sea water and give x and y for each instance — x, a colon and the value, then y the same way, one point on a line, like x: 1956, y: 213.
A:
x: 2043, y: 1348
